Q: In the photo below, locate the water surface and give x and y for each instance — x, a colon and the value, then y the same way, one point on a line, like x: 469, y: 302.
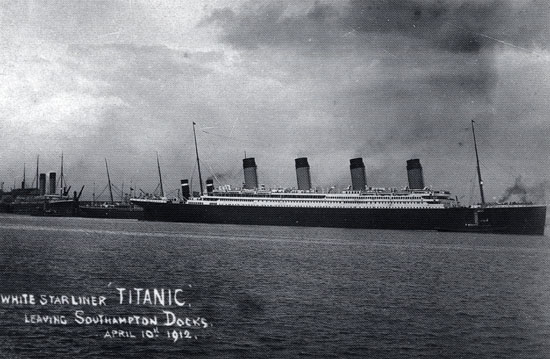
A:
x: 280, y: 292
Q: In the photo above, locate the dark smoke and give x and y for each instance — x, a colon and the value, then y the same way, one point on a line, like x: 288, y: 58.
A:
x: 522, y: 193
x: 226, y: 177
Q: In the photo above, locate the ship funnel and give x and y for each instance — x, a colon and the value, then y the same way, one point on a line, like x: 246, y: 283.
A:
x: 42, y: 185
x: 250, y: 174
x: 414, y: 173
x: 209, y: 186
x: 302, y: 173
x: 52, y: 183
x: 185, y: 188
x: 358, y: 177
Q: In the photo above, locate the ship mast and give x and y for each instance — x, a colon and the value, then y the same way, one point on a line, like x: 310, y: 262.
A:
x: 37, y: 176
x: 61, y: 177
x: 478, y: 168
x: 160, y: 177
x: 109, y: 182
x: 198, y: 162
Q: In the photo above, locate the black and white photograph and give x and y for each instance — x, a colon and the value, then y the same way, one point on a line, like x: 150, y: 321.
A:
x: 274, y: 179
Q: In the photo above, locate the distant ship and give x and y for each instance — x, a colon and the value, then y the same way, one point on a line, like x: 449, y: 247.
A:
x: 109, y: 210
x: 41, y: 200
x: 415, y: 207
x: 122, y: 210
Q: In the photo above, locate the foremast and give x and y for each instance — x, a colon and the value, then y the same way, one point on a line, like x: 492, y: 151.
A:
x: 478, y: 167
x: 160, y: 177
x: 198, y: 162
x: 109, y: 183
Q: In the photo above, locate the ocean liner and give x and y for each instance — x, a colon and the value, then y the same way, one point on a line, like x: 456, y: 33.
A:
x: 415, y: 207
x: 42, y: 200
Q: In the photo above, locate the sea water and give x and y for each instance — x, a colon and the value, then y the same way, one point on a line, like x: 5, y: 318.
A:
x: 267, y: 292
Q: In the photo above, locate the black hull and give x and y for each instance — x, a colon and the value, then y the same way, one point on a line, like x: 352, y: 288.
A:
x: 527, y: 219
x: 63, y: 208
x: 106, y: 212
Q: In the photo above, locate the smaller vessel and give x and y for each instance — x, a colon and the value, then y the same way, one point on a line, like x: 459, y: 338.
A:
x: 111, y: 210
x: 123, y: 209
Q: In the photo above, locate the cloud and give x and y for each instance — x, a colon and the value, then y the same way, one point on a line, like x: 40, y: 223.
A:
x: 456, y: 26
x: 43, y: 97
x: 391, y: 80
x: 95, y: 101
x: 329, y: 80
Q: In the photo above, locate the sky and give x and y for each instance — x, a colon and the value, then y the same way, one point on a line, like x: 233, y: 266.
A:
x: 386, y: 80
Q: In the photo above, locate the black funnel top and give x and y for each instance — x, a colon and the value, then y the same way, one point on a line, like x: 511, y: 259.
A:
x: 249, y: 162
x: 356, y: 163
x: 414, y: 163
x: 301, y: 162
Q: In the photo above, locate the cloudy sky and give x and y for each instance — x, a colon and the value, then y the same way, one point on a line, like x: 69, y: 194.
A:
x: 387, y: 80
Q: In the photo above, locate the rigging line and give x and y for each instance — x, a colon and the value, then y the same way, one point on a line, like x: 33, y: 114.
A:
x: 170, y: 192
x: 99, y: 195
x: 231, y: 174
x: 117, y: 191
x: 212, y: 172
x: 155, y: 190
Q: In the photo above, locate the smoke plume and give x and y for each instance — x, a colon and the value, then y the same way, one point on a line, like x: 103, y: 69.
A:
x: 520, y: 192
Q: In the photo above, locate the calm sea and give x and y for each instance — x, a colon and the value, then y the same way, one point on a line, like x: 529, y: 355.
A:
x: 270, y: 292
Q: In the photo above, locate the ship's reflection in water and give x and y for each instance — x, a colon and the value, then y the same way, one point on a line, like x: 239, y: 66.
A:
x: 278, y: 292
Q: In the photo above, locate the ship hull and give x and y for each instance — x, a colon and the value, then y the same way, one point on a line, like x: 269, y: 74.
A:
x: 499, y: 219
x: 41, y: 207
x: 529, y: 219
x: 107, y: 212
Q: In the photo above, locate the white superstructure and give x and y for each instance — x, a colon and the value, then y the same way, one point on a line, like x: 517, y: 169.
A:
x: 372, y: 198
